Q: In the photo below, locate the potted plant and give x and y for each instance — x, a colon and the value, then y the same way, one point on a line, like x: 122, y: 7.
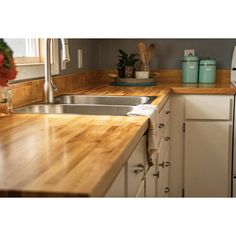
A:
x: 126, y: 65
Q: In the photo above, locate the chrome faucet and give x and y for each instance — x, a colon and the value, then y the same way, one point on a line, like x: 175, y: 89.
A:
x: 49, y: 87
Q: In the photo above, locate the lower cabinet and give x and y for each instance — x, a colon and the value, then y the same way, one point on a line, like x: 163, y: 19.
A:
x: 207, y: 159
x: 136, y: 167
x: 138, y: 179
x: 150, y: 182
x: 117, y: 188
x: 201, y: 145
x: 130, y: 180
x: 163, y: 175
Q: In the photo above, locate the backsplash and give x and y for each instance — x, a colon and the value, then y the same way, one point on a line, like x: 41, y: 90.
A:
x: 25, y: 93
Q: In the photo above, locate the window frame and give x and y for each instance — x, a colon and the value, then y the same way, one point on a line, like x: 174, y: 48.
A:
x: 32, y: 70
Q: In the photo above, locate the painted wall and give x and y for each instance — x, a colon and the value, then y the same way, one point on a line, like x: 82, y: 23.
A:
x: 169, y: 51
x: 90, y: 49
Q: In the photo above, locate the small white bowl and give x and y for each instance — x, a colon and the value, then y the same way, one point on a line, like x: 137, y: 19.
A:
x: 142, y: 74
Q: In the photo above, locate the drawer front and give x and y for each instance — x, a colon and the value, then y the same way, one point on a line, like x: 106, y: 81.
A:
x: 208, y: 107
x: 163, y: 144
x: 160, y: 125
x: 167, y: 112
x: 163, y: 180
x: 135, y: 167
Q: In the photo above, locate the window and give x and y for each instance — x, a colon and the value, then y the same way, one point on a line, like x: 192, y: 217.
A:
x: 29, y: 57
x: 27, y: 51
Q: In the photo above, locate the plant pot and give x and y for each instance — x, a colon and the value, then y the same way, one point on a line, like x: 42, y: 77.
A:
x: 129, y: 72
x: 121, y: 72
x: 142, y: 74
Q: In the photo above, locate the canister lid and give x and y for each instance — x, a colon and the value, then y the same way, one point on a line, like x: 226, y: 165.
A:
x: 190, y: 58
x: 207, y: 62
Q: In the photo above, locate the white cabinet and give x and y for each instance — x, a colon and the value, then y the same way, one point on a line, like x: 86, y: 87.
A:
x: 207, y: 159
x: 201, y: 147
x: 135, y: 166
x: 150, y: 182
x: 139, y: 180
x: 130, y: 181
x: 117, y: 189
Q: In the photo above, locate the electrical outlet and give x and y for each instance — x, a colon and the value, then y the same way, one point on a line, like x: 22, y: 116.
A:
x: 187, y: 52
x: 80, y: 58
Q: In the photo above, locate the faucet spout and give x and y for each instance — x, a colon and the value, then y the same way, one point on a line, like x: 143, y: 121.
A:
x: 49, y: 87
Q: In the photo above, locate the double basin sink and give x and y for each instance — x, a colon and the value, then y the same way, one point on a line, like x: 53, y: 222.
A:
x: 88, y: 105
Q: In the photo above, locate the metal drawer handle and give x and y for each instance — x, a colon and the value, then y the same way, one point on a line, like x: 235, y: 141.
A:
x: 162, y: 164
x: 167, y: 190
x: 167, y: 164
x: 167, y: 138
x: 161, y: 125
x: 140, y: 168
x: 167, y: 112
x: 157, y: 174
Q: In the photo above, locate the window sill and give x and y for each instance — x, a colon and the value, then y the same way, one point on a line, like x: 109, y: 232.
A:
x: 29, y: 64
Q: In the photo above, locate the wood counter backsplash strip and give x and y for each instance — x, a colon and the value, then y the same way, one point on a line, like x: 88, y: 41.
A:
x: 171, y: 76
x: 25, y: 93
x: 28, y: 92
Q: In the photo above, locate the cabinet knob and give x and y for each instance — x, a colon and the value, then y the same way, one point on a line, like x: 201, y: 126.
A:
x: 167, y: 190
x: 167, y: 164
x: 162, y: 164
x: 167, y: 112
x: 156, y: 174
x: 167, y: 138
x: 161, y: 125
x: 139, y: 168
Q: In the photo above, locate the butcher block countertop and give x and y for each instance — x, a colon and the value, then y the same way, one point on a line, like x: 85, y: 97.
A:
x: 76, y: 155
x: 64, y: 155
x: 161, y: 89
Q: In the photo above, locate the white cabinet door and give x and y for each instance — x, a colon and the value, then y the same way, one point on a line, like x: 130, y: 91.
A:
x: 207, y: 159
x: 136, y: 167
x: 163, y: 175
x: 150, y: 182
x: 117, y: 189
x: 141, y: 191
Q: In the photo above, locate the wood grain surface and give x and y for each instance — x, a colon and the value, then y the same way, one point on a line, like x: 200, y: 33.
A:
x: 64, y: 155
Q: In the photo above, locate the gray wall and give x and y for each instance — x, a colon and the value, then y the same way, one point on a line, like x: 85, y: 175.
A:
x: 90, y: 49
x: 169, y: 51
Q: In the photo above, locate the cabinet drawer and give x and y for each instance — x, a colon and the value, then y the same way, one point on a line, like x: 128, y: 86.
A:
x: 208, y: 107
x: 135, y: 167
x: 163, y: 144
x: 167, y: 112
x: 160, y: 125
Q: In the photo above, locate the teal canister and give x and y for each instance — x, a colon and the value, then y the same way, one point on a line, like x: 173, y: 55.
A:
x: 190, y: 69
x: 207, y: 71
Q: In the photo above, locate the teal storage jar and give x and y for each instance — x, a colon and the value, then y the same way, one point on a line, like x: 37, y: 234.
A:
x: 207, y: 71
x: 190, y: 69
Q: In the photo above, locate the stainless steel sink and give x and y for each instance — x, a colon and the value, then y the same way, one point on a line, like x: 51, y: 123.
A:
x: 104, y: 100
x: 117, y: 110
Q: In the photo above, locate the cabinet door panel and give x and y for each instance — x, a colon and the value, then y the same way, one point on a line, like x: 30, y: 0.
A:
x: 150, y: 183
x: 117, y: 188
x: 207, y: 159
x: 141, y: 192
x: 136, y: 165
